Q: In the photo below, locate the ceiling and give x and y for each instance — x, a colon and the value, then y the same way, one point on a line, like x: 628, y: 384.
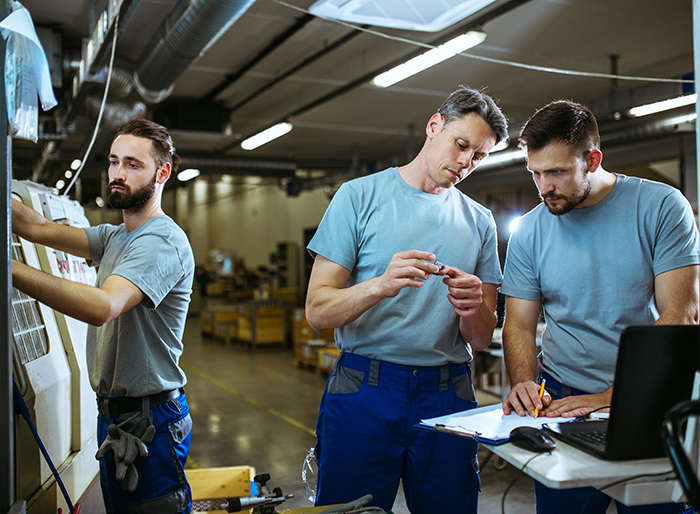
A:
x: 276, y: 63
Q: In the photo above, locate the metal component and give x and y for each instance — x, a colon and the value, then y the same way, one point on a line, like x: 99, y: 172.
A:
x: 210, y: 504
x: 439, y: 265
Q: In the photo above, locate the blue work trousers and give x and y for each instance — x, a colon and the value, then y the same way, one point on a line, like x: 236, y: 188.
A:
x: 571, y: 501
x: 367, y: 442
x: 162, y: 484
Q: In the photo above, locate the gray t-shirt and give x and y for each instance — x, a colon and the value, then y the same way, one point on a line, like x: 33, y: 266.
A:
x: 593, y: 269
x: 137, y: 353
x: 372, y: 218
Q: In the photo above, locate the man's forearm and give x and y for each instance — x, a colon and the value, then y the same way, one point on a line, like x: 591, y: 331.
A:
x: 520, y: 354
x: 80, y: 301
x: 330, y: 307
x: 477, y: 330
x: 32, y: 226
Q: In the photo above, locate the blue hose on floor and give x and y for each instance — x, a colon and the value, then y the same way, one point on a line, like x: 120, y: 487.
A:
x: 22, y: 409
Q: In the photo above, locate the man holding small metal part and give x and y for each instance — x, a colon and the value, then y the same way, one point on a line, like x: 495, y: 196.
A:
x: 405, y: 336
x: 602, y: 252
x: 137, y: 313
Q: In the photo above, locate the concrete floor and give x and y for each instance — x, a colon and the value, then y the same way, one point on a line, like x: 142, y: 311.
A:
x: 254, y: 407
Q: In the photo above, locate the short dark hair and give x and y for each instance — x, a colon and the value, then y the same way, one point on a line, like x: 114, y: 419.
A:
x: 465, y: 100
x: 563, y: 121
x: 163, y: 147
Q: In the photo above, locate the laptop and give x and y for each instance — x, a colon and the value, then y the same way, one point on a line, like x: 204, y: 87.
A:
x: 655, y: 370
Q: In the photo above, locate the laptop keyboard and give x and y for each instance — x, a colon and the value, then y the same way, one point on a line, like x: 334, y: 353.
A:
x: 597, y: 438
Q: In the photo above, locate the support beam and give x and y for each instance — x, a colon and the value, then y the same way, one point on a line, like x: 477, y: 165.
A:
x: 696, y: 52
x: 7, y: 456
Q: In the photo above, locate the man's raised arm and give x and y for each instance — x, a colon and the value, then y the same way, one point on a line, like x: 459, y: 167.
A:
x: 32, y: 226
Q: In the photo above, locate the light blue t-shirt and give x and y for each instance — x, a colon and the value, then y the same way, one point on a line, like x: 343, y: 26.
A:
x: 372, y: 218
x: 594, y: 268
x: 137, y: 353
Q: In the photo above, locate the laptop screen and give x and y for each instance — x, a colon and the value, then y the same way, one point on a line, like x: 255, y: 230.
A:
x: 654, y: 371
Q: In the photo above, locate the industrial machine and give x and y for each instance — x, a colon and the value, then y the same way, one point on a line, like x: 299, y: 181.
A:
x: 50, y: 368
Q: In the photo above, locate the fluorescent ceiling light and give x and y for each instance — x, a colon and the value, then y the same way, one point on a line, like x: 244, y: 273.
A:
x: 429, y: 58
x: 266, y: 136
x: 505, y: 143
x: 187, y: 174
x: 503, y: 158
x: 680, y: 120
x: 425, y: 15
x: 665, y: 105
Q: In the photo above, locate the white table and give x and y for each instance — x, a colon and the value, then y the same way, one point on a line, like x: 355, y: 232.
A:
x: 568, y: 467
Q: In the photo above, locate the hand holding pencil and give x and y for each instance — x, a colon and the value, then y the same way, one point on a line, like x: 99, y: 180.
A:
x: 537, y: 411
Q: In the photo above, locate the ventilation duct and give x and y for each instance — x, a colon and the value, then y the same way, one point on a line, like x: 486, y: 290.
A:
x: 185, y: 35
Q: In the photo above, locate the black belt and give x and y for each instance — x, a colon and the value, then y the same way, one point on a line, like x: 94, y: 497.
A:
x: 113, y: 407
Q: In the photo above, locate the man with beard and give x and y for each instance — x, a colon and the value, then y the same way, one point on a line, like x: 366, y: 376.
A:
x: 602, y: 252
x: 137, y: 313
x: 407, y: 336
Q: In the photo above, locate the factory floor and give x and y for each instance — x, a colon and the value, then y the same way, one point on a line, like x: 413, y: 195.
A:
x: 254, y: 407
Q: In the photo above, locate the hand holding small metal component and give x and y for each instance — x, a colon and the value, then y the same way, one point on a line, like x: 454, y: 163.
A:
x: 465, y: 290
x: 126, y: 448
x: 409, y: 268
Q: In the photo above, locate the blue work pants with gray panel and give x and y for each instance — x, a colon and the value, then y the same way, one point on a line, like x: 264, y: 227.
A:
x: 588, y: 500
x: 162, y: 484
x: 367, y: 442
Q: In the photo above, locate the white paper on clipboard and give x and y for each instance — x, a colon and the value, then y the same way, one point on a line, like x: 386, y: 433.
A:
x: 487, y: 424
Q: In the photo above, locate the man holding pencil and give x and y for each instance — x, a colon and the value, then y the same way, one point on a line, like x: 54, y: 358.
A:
x: 602, y: 252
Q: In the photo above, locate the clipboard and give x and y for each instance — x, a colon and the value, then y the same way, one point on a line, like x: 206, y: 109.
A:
x: 485, y: 424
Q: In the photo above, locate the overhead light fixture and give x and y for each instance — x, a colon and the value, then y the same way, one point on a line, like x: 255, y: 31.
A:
x: 504, y: 143
x: 266, y: 136
x: 429, y: 58
x: 99, y: 201
x: 503, y: 158
x: 68, y: 174
x: 60, y: 184
x: 399, y: 14
x: 514, y: 223
x: 680, y: 120
x: 664, y: 105
x: 187, y: 174
x: 75, y: 164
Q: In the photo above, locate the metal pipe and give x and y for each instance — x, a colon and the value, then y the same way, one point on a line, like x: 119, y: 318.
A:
x: 321, y: 53
x: 274, y: 44
x: 185, y: 35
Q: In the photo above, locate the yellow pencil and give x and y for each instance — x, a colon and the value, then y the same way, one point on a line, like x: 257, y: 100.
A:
x: 541, y: 393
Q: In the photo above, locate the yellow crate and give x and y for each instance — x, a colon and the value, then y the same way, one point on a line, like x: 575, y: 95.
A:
x: 214, y: 316
x: 262, y: 323
x: 304, y: 332
x: 306, y: 352
x: 325, y: 359
x: 228, y: 482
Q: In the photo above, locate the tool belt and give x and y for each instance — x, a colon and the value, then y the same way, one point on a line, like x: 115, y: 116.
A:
x: 113, y: 407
